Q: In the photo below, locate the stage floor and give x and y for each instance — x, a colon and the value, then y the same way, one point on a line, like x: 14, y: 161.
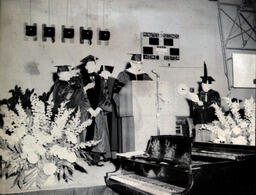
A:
x: 97, y: 190
x: 91, y: 183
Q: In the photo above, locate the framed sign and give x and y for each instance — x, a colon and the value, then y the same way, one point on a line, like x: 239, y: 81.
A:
x: 244, y: 70
x: 160, y: 46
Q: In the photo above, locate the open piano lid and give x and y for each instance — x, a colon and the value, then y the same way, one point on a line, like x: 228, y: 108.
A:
x: 172, y: 149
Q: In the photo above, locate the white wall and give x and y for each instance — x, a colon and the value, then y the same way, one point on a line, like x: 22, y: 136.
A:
x: 194, y: 20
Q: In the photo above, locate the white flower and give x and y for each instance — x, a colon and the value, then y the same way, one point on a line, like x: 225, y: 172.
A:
x: 23, y: 155
x: 221, y: 133
x: 43, y: 138
x: 55, y: 150
x: 243, y: 124
x: 21, y: 131
x: 49, y: 168
x: 252, y: 138
x: 39, y: 149
x: 12, y: 139
x: 71, y: 157
x: 33, y: 158
x: 236, y: 130
x: 29, y: 140
x: 56, y: 132
x: 50, y: 181
x: 5, y: 154
x: 239, y: 140
x: 3, y: 135
x: 28, y: 149
x: 71, y: 137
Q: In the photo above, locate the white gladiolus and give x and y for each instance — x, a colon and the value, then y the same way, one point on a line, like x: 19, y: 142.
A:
x: 56, y: 132
x: 49, y: 168
x: 37, y: 143
x: 71, y: 137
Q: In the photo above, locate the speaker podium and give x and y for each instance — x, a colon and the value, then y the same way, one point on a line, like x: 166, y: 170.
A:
x: 138, y: 111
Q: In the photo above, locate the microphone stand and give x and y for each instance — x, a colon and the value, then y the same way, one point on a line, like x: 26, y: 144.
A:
x: 157, y: 102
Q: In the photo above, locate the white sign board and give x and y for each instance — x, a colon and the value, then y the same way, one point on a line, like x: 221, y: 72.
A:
x: 244, y: 70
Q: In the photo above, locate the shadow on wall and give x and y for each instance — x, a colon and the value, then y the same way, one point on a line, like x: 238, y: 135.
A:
x: 32, y: 68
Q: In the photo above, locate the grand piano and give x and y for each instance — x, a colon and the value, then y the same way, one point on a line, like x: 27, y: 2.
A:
x: 175, y: 164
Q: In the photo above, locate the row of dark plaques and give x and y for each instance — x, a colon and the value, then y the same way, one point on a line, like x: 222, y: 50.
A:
x: 67, y: 33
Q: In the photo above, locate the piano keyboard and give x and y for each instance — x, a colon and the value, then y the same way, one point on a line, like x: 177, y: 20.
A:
x: 146, y: 185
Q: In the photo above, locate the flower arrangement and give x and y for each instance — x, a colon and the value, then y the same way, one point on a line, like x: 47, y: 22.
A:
x: 234, y: 128
x: 36, y: 149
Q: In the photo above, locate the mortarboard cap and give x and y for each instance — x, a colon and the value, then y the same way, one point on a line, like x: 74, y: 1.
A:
x: 62, y: 68
x: 106, y: 68
x: 206, y: 78
x: 88, y: 59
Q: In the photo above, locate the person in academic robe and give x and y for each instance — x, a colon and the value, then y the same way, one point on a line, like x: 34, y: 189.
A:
x: 203, y: 112
x: 133, y: 70
x: 112, y: 85
x: 99, y: 106
x: 61, y: 87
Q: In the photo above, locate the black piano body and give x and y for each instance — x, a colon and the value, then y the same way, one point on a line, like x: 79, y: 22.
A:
x: 177, y: 165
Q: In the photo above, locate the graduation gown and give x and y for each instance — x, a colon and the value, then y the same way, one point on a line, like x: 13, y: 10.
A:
x: 126, y: 76
x: 98, y: 97
x: 60, y: 91
x: 112, y: 85
x: 206, y: 114
x: 78, y: 101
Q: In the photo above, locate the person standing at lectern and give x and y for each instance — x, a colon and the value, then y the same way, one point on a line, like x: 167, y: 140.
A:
x: 203, y: 112
x: 133, y: 70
